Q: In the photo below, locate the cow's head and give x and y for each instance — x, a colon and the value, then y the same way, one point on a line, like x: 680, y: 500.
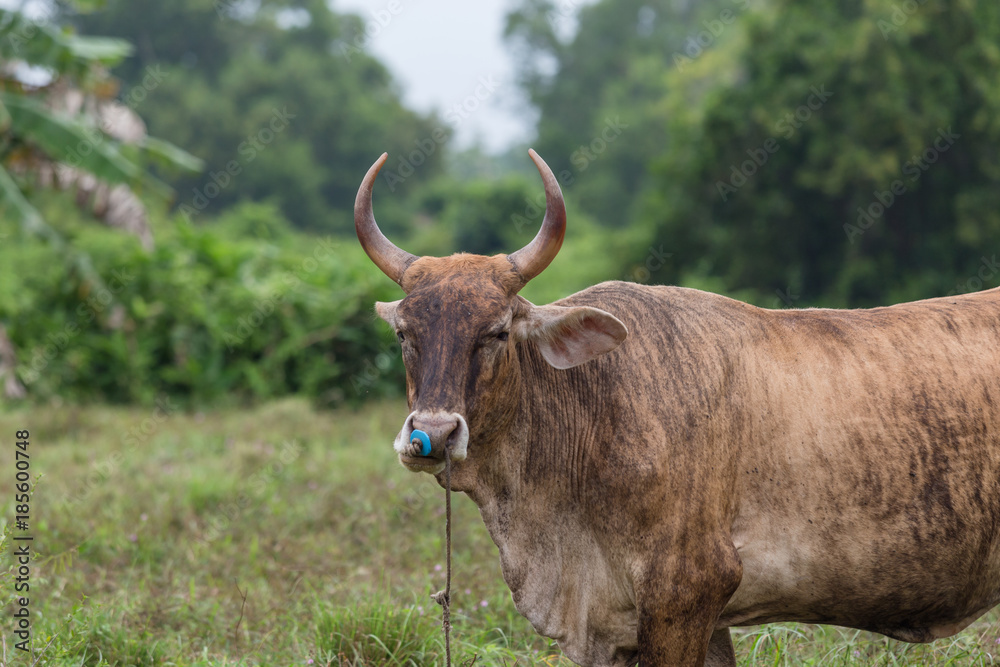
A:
x: 460, y: 326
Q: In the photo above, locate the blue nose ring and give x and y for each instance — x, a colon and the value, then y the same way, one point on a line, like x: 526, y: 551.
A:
x: 425, y: 441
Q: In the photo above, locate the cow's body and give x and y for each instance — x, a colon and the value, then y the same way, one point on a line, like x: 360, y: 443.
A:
x: 658, y: 464
x: 851, y: 457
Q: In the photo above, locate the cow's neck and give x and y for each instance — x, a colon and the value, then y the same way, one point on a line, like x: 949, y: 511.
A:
x: 529, y: 492
x: 542, y: 445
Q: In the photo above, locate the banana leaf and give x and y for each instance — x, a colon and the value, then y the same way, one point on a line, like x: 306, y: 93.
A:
x: 66, y: 140
x: 45, y: 45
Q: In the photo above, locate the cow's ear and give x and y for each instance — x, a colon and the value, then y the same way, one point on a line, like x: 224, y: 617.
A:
x: 387, y: 311
x: 569, y: 336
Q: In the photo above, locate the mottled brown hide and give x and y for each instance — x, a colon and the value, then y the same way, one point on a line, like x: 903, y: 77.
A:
x: 703, y: 463
x: 744, y: 465
x: 451, y: 322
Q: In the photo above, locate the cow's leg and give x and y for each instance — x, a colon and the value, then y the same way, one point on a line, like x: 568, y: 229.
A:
x: 720, y: 650
x: 679, y: 600
x: 686, y: 639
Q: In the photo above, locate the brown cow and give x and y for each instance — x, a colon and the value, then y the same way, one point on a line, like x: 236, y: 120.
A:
x: 659, y: 464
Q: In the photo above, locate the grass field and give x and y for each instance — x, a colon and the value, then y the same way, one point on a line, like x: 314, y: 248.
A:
x: 284, y: 536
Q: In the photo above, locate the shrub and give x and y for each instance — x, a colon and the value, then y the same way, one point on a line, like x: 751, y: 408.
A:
x: 239, y: 310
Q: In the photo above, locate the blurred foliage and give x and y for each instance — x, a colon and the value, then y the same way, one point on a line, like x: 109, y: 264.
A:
x: 600, y: 92
x: 60, y: 127
x: 837, y: 152
x: 884, y: 191
x: 279, y: 98
x: 245, y: 310
x: 829, y: 152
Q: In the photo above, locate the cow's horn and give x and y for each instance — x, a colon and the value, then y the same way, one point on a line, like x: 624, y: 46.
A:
x: 393, y: 261
x: 534, y: 257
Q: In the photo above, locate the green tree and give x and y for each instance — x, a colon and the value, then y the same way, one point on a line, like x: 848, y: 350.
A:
x: 852, y: 159
x: 598, y: 91
x: 227, y: 70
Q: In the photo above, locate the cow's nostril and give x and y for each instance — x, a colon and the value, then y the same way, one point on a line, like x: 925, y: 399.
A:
x: 440, y: 433
x: 430, y: 435
x: 421, y: 440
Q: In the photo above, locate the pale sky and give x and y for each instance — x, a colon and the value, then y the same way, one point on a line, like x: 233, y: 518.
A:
x: 446, y: 53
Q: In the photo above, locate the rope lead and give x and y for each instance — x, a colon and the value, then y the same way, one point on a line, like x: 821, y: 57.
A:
x: 443, y: 598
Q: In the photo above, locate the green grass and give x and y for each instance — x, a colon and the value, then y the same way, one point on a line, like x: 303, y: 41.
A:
x: 284, y: 536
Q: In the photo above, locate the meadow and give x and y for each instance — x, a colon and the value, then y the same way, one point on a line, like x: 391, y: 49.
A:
x: 282, y: 535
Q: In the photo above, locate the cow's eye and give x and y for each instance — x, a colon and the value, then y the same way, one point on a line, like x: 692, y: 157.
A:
x: 503, y: 335
x: 400, y: 337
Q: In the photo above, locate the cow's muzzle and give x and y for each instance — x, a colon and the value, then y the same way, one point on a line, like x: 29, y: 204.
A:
x: 445, y: 429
